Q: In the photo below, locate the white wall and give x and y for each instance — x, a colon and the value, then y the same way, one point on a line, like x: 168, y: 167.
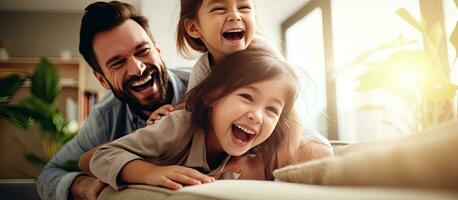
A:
x: 35, y: 34
x: 163, y: 16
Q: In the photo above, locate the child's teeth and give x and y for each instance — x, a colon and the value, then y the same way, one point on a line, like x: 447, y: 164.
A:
x: 244, y: 129
x: 234, y: 31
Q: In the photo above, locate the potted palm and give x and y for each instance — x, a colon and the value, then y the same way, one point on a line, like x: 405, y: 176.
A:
x: 39, y: 110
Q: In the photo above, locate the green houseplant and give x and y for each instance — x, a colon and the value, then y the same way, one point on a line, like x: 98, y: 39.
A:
x: 39, y: 110
x: 419, y: 77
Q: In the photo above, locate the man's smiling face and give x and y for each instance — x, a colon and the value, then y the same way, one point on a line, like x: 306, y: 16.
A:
x: 131, y: 64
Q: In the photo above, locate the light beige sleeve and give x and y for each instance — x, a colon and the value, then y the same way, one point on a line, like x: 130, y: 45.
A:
x: 158, y: 141
x: 199, y: 72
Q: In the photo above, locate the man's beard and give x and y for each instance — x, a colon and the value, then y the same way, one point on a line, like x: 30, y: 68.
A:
x: 134, y: 103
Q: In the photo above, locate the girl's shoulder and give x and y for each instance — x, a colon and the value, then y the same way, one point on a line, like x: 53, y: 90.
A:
x: 177, y: 125
x: 177, y: 118
x: 203, y: 61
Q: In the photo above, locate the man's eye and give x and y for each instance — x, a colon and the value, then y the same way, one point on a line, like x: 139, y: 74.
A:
x: 246, y: 96
x: 142, y: 52
x: 117, y: 64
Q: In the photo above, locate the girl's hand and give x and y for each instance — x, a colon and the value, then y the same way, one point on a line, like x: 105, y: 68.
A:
x: 174, y: 177
x: 157, y: 114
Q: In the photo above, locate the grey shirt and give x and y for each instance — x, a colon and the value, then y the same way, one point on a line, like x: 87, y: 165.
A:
x: 184, y: 144
x: 108, y: 120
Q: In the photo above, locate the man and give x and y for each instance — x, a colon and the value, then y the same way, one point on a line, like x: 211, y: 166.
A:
x: 117, y: 44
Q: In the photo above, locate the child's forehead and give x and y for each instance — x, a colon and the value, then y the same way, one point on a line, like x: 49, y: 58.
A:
x: 208, y: 2
x: 278, y: 83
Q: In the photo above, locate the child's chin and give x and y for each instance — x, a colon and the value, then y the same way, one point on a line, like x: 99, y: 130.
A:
x: 236, y: 153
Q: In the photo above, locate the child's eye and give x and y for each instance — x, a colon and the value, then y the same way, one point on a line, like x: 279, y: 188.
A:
x: 246, y: 96
x: 245, y: 8
x: 273, y: 110
x: 142, y: 52
x: 218, y: 10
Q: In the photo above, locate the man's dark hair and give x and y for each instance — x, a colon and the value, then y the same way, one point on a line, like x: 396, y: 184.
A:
x: 103, y: 16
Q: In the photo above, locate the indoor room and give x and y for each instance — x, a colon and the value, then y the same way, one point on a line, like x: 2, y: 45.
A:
x: 374, y: 105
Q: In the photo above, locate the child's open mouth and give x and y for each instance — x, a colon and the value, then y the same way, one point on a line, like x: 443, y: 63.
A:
x: 234, y: 34
x: 242, y: 133
x: 144, y: 83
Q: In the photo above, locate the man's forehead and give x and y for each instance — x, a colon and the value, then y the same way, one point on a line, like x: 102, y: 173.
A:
x: 128, y: 32
x: 120, y: 40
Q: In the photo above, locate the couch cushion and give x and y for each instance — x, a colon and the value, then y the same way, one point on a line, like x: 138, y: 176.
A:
x: 249, y: 189
x: 426, y: 159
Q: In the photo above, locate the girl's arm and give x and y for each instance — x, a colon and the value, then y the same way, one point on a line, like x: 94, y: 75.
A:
x: 122, y: 161
x: 141, y: 172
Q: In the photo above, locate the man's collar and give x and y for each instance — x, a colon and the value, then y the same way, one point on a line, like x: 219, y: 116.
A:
x: 136, y: 111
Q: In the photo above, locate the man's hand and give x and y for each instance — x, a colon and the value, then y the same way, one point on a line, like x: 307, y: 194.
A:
x: 157, y: 114
x: 86, y: 187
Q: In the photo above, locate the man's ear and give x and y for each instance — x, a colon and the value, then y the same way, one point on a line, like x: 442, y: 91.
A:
x: 101, y: 80
x: 192, y: 28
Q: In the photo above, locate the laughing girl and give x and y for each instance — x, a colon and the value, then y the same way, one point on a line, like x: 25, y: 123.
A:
x: 227, y: 115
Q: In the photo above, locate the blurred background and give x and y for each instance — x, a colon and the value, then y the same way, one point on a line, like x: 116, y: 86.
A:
x: 375, y: 69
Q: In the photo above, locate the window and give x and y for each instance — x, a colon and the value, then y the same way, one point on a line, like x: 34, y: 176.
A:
x: 359, y: 26
x: 305, y: 49
x: 321, y: 46
x: 451, y: 20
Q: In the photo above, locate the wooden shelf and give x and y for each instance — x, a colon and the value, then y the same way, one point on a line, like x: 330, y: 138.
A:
x: 76, y: 79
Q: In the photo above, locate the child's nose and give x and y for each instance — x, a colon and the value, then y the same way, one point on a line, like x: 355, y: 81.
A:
x: 255, y: 116
x: 234, y: 16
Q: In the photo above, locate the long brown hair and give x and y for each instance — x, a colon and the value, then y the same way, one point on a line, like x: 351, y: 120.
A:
x: 239, y: 69
x: 189, y: 9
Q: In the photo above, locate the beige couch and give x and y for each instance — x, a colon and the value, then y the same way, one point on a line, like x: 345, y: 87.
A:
x: 417, y: 166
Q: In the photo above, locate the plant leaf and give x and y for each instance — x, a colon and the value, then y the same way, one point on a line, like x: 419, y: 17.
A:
x: 435, y: 34
x: 71, y: 166
x: 35, y: 160
x: 456, y: 3
x: 17, y: 115
x: 41, y: 112
x: 10, y: 84
x: 401, y: 74
x: 443, y: 93
x: 370, y: 108
x: 45, y: 82
x: 454, y: 38
x: 364, y: 56
x: 402, y: 12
